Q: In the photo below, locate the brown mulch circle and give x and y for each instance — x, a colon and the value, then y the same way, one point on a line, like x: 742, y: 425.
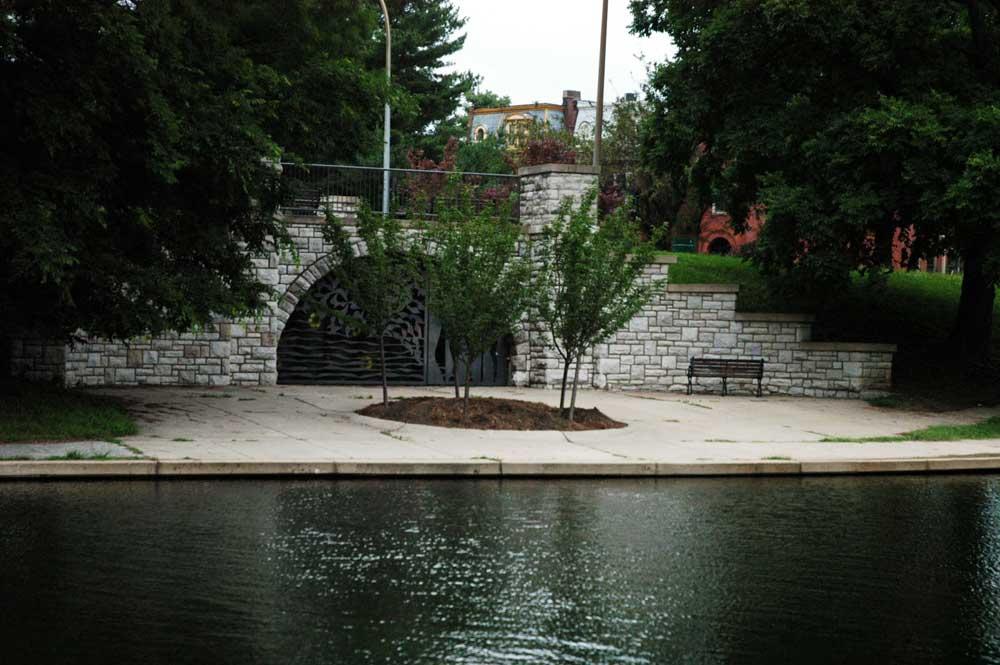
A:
x: 487, y: 413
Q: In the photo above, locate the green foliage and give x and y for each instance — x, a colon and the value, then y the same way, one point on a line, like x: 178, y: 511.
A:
x: 380, y: 281
x: 328, y: 70
x: 590, y: 280
x: 984, y: 429
x: 425, y: 33
x: 47, y: 413
x: 132, y: 169
x: 487, y: 156
x: 851, y: 123
x: 479, y: 284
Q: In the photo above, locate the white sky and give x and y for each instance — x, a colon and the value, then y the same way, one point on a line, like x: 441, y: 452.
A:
x: 532, y: 50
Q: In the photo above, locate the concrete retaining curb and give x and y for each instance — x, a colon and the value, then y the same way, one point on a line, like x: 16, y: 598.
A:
x: 150, y: 469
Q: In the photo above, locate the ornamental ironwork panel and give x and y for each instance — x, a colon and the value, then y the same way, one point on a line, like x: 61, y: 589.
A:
x: 327, y: 352
x: 316, y: 348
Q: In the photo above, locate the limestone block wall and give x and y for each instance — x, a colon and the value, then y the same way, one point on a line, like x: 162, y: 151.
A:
x: 650, y: 353
x: 688, y: 320
x: 224, y: 352
x: 38, y: 360
x: 543, y: 189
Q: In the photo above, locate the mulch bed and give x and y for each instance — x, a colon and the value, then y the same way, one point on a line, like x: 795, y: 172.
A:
x: 487, y: 413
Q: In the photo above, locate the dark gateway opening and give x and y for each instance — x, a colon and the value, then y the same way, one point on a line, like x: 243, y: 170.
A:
x: 316, y: 347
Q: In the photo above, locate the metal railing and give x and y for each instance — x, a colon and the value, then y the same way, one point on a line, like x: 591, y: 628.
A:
x: 313, y: 189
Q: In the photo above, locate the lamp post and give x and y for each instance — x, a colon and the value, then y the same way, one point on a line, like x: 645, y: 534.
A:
x: 385, y: 135
x: 599, y: 125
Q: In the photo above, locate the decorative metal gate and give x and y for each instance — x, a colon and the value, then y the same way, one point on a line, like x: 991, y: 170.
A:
x: 416, y: 351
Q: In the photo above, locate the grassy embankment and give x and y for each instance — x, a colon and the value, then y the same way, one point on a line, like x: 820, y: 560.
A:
x: 47, y: 413
x: 913, y: 310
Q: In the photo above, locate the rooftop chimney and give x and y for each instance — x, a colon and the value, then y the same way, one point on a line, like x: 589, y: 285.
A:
x: 571, y: 99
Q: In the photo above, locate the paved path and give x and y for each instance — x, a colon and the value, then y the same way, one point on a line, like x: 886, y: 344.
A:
x: 315, y: 428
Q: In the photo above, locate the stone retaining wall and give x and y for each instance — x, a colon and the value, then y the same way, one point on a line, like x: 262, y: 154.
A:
x: 223, y: 353
x: 651, y: 353
x: 688, y: 320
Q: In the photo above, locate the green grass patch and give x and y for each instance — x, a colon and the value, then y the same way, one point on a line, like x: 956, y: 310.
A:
x: 985, y: 429
x: 46, y: 413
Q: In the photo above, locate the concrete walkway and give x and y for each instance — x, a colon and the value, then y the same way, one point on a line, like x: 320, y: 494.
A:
x: 299, y: 429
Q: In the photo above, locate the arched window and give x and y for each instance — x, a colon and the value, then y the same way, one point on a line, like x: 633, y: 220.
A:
x: 517, y: 127
x: 720, y: 246
x: 480, y: 134
x: 585, y: 130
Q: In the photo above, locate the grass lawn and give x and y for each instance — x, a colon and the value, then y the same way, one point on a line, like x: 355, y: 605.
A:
x: 986, y: 429
x: 914, y: 310
x: 47, y: 413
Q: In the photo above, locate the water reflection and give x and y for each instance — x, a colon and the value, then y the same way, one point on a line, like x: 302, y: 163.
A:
x: 889, y: 569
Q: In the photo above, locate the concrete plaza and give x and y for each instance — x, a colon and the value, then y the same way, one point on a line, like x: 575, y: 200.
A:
x: 302, y: 429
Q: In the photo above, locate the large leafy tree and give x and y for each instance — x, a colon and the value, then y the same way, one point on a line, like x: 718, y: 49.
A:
x: 135, y: 148
x: 425, y: 34
x: 132, y: 172
x: 329, y: 107
x: 851, y: 124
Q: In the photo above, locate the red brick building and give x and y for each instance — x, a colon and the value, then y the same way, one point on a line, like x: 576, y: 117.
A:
x: 716, y: 236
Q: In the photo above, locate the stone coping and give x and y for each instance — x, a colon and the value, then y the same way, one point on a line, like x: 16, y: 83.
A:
x: 540, y: 169
x: 703, y: 288
x: 775, y: 317
x: 153, y: 469
x: 848, y: 346
x: 664, y: 259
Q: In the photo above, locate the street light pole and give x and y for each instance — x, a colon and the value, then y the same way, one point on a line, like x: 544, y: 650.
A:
x: 599, y: 128
x: 385, y: 135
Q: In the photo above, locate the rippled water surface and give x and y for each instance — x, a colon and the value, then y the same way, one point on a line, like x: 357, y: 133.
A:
x: 886, y: 569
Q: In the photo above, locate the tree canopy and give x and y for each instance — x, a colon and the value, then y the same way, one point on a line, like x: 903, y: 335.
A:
x: 853, y: 125
x: 133, y: 142
x: 137, y: 142
x: 425, y: 34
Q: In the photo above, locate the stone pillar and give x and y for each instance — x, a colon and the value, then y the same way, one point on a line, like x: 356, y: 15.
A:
x: 543, y: 190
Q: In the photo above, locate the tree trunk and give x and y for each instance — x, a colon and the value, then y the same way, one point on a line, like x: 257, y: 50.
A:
x: 567, y: 361
x: 576, y: 379
x: 468, y: 382
x: 454, y: 368
x: 385, y: 378
x: 973, y: 329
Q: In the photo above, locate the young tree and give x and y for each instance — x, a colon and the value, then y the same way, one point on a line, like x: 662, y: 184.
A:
x: 479, y: 284
x: 850, y: 124
x: 589, y: 283
x: 380, y: 282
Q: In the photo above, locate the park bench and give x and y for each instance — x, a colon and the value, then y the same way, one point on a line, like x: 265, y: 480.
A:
x: 721, y: 368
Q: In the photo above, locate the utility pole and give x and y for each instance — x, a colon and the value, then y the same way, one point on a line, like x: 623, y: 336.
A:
x: 388, y: 80
x: 599, y: 128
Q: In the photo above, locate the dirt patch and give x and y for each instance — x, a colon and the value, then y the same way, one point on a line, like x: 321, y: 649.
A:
x: 487, y: 413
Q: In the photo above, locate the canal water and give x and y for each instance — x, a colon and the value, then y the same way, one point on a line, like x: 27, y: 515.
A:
x: 875, y: 569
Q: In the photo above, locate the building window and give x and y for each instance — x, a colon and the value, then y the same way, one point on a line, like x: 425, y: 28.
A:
x: 480, y: 134
x: 585, y: 130
x: 517, y: 128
